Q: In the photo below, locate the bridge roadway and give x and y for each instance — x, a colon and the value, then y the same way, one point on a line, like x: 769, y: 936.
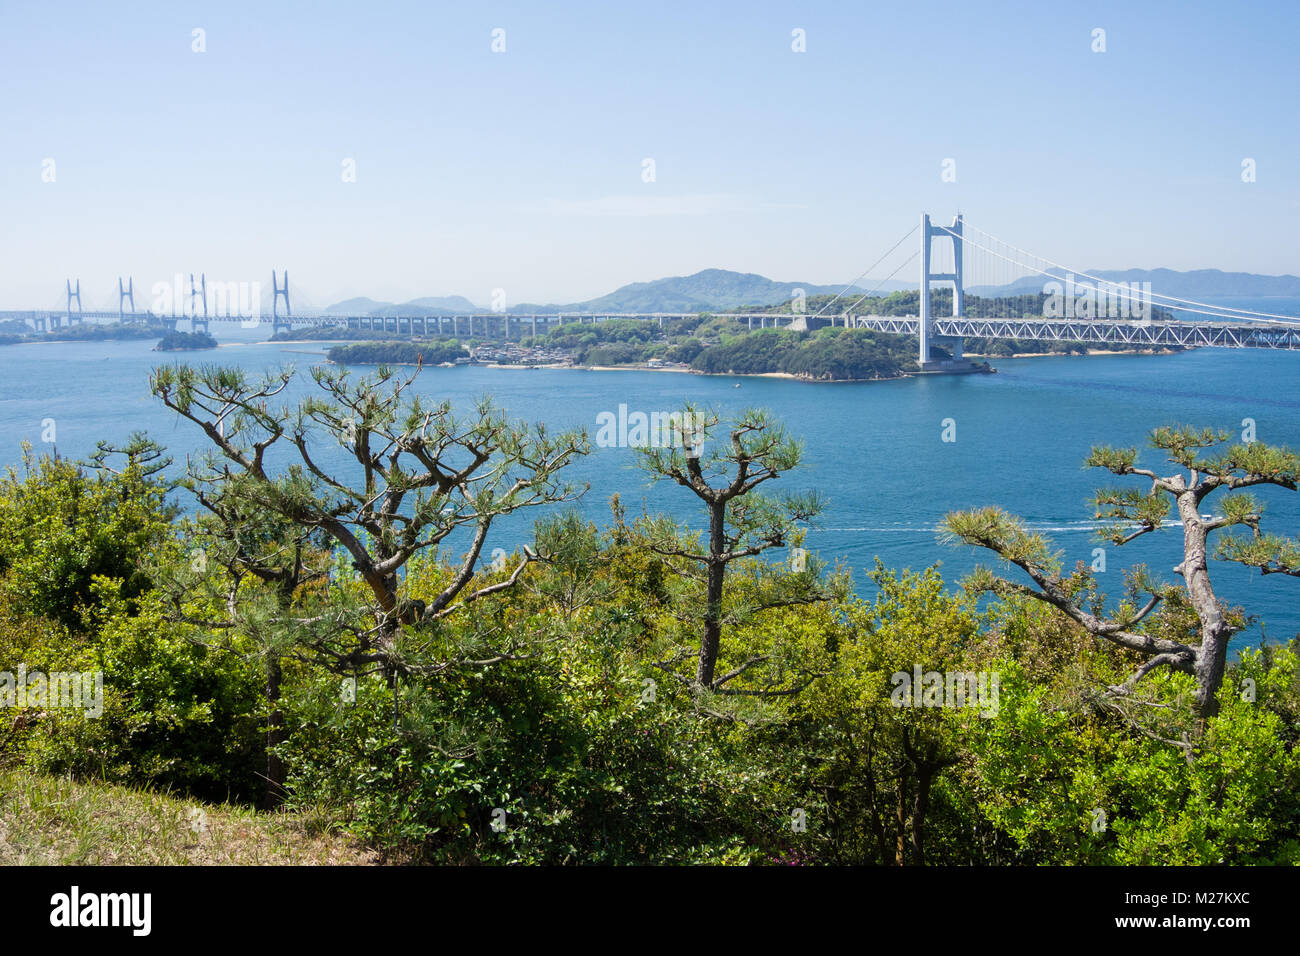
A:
x: 1152, y: 334
x: 1227, y: 335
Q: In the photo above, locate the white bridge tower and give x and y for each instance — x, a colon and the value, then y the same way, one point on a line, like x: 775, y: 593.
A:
x: 928, y: 234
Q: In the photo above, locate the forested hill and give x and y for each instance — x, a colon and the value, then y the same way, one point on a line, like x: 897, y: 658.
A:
x: 828, y: 355
x: 704, y: 291
x: 401, y: 353
x: 429, y: 305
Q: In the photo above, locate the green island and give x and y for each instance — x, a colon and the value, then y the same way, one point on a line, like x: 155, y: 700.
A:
x: 718, y: 344
x: 185, y: 342
x: 434, y: 352
x: 316, y: 333
x: 343, y: 656
x: 14, y: 332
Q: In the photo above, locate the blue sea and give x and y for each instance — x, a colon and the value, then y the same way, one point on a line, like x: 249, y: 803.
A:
x: 875, y: 450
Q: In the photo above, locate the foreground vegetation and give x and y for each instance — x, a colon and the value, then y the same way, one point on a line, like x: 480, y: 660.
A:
x: 350, y: 644
x: 54, y: 821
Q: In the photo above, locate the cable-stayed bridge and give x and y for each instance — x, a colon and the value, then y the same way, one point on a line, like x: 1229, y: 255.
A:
x: 1073, y: 306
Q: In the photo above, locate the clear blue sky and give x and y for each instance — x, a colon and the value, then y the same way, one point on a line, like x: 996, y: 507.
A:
x: 523, y: 170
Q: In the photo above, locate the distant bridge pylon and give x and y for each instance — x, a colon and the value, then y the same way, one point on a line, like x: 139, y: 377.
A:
x: 276, y: 291
x: 73, y: 295
x: 124, y: 294
x: 199, y: 292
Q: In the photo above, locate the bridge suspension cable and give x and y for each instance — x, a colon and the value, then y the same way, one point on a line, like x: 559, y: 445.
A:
x: 1220, y: 311
x: 1120, y: 292
x: 868, y: 269
x: 905, y: 262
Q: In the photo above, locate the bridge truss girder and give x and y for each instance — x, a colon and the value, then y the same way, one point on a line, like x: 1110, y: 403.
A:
x: 1232, y: 335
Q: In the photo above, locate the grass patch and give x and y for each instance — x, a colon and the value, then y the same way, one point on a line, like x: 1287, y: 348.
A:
x: 48, y: 821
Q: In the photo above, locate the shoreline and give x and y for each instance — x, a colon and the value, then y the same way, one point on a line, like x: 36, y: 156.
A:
x: 781, y: 375
x: 681, y: 371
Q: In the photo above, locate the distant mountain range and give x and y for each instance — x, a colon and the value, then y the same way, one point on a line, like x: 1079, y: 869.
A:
x: 1196, y: 284
x: 429, y: 305
x: 709, y: 289
x: 723, y: 289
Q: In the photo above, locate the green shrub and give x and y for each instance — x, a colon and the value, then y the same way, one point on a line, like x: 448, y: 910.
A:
x: 61, y: 526
x: 177, y: 714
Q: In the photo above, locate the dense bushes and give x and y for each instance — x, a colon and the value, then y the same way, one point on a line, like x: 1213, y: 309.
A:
x: 75, y: 596
x: 177, y: 714
x: 61, y: 526
x: 541, y: 762
x: 1082, y: 786
x: 579, y: 745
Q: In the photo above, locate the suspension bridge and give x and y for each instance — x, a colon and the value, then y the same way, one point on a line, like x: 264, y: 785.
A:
x: 1071, y: 306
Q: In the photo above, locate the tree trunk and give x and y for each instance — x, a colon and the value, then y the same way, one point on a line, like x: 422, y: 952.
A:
x: 717, y: 570
x: 873, y: 804
x: 274, y: 735
x: 900, y: 809
x: 920, y: 805
x: 1212, y: 656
